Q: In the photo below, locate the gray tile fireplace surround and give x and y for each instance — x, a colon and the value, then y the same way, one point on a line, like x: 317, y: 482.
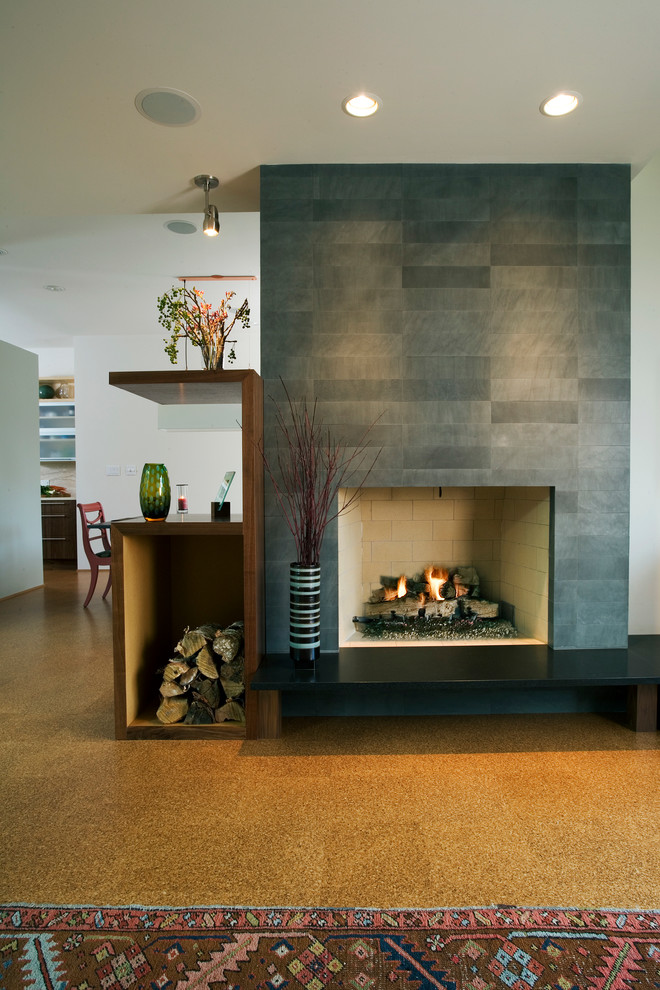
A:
x: 483, y: 311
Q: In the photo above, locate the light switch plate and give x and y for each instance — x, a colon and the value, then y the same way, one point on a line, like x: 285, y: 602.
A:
x: 130, y: 469
x: 112, y: 469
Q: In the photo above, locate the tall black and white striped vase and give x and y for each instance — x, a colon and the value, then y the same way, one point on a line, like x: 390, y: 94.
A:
x: 304, y: 614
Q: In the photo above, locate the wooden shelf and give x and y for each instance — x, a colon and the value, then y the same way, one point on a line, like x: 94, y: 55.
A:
x: 175, y: 388
x: 148, y: 727
x: 190, y: 570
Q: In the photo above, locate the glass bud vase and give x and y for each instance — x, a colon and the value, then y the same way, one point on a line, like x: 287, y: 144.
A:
x: 155, y: 492
x: 304, y: 615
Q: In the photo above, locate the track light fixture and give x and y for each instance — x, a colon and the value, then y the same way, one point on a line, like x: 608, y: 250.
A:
x: 211, y: 220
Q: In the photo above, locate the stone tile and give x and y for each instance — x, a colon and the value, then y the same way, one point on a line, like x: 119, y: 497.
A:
x: 359, y: 277
x: 604, y: 254
x: 358, y: 182
x: 566, y: 502
x: 444, y: 254
x: 603, y: 480
x: 353, y: 255
x: 604, y: 434
x: 612, y: 636
x: 355, y: 391
x: 603, y: 232
x: 447, y: 276
x: 448, y: 231
x: 604, y: 208
x: 610, y: 389
x: 534, y: 412
x: 611, y: 525
x: 357, y: 298
x: 616, y: 567
x: 604, y: 300
x: 604, y: 412
x: 513, y: 300
x: 537, y: 345
x: 463, y: 390
x: 446, y: 208
x: 274, y: 210
x: 533, y: 367
x: 604, y: 278
x: 606, y: 365
x: 521, y: 232
x: 512, y: 254
x: 356, y: 232
x: 608, y: 501
x: 616, y: 459
x: 446, y: 413
x: 604, y: 182
x: 534, y: 277
x: 530, y: 459
x: 356, y: 209
x: 525, y: 182
x: 445, y: 341
x: 543, y: 209
x: 548, y: 323
x: 357, y: 322
x: 438, y: 300
x: 430, y: 430
x: 534, y: 434
x: 444, y: 182
x: 441, y: 457
x: 442, y: 476
x: 530, y: 389
x: 456, y: 368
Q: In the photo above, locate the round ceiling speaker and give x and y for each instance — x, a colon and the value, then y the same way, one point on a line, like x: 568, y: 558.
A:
x: 171, y: 107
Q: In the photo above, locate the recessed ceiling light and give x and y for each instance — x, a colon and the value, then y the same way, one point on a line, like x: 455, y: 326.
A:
x: 561, y: 103
x: 361, y: 105
x: 168, y: 106
x: 54, y: 288
x: 181, y: 226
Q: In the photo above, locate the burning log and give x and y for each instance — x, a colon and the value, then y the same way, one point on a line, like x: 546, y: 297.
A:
x: 441, y: 597
x: 205, y: 683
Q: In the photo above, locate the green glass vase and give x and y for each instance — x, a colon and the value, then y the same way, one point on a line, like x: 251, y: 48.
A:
x: 155, y: 492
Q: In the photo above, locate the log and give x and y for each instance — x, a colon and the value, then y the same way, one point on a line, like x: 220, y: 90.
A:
x: 479, y: 608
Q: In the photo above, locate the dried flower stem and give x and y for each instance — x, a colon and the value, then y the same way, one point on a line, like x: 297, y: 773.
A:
x: 308, y: 472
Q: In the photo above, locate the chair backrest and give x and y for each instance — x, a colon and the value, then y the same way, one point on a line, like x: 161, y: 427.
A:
x: 90, y: 513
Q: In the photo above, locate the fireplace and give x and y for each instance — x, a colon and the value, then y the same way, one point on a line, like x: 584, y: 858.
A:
x: 469, y: 547
x: 483, y: 312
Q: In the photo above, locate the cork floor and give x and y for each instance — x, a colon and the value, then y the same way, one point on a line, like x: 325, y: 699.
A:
x: 553, y: 810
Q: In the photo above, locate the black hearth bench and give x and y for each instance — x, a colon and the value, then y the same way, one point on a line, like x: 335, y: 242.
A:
x: 457, y: 668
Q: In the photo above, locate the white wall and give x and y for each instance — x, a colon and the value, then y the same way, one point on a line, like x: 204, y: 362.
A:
x: 20, y: 504
x: 645, y: 403
x: 116, y: 427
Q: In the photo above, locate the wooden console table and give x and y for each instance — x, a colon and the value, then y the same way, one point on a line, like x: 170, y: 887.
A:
x: 463, y: 668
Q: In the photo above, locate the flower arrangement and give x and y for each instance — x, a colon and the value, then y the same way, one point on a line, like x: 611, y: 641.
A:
x: 309, y: 469
x: 185, y: 313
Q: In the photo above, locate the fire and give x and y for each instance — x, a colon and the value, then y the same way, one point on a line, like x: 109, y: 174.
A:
x: 401, y: 590
x: 436, y: 577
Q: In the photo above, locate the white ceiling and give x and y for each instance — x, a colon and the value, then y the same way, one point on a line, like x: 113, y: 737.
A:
x: 87, y: 182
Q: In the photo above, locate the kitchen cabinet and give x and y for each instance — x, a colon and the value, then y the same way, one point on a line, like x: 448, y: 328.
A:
x: 190, y: 570
x: 57, y: 430
x: 58, y: 529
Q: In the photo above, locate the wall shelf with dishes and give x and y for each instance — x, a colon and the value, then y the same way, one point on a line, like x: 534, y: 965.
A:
x: 57, y: 421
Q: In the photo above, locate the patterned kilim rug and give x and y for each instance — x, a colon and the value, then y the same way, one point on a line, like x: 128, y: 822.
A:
x: 223, y: 948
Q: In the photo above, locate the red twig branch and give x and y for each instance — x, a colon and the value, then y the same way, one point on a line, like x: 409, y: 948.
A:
x: 308, y: 472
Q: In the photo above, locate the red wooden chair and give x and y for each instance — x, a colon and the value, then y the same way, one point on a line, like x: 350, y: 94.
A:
x: 95, y: 530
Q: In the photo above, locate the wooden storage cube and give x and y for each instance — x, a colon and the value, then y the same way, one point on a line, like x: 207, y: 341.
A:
x: 169, y: 580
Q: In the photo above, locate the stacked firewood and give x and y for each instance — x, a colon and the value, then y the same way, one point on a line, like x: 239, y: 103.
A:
x: 205, y: 682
